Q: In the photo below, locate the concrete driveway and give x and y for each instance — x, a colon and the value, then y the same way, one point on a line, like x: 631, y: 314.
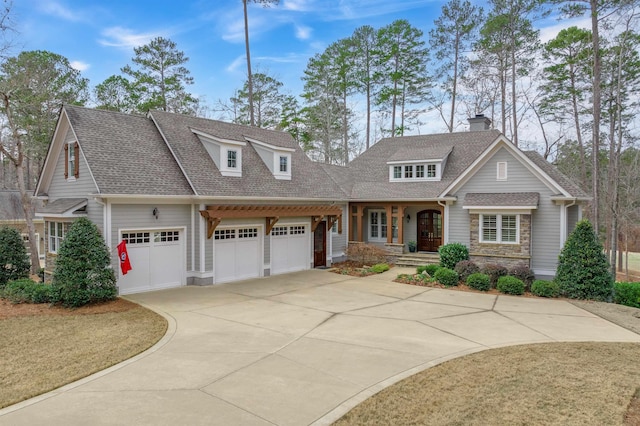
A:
x: 298, y: 349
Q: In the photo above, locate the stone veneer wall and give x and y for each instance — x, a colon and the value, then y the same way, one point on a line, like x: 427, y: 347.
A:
x: 507, y: 255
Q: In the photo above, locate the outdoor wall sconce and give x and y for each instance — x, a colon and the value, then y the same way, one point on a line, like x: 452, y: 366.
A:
x: 155, y: 212
x: 408, y: 218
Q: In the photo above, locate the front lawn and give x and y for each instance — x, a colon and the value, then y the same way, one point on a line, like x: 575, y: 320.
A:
x: 46, y: 347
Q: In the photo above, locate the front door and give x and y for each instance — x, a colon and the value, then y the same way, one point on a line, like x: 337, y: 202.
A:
x: 320, y: 245
x: 429, y: 230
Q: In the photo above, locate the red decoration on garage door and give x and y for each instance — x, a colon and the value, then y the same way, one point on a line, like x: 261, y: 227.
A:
x: 125, y: 266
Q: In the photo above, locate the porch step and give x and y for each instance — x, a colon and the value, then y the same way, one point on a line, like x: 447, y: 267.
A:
x: 417, y: 259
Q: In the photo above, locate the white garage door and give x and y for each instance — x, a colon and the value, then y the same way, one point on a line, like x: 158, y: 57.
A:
x: 237, y: 254
x: 157, y: 261
x: 290, y: 249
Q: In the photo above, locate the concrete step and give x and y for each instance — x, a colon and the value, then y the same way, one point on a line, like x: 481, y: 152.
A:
x: 417, y: 259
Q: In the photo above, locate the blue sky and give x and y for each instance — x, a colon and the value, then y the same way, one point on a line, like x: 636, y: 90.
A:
x: 98, y: 37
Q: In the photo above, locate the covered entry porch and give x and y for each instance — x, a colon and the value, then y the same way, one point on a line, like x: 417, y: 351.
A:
x: 394, y: 225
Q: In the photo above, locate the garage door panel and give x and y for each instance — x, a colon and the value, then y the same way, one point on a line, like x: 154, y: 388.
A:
x: 289, y: 249
x: 237, y: 254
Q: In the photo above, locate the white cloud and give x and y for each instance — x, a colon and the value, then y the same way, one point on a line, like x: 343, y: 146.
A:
x: 79, y: 65
x: 550, y: 32
x: 296, y: 5
x: 303, y: 32
x: 124, y: 37
x: 233, y: 66
x: 56, y: 9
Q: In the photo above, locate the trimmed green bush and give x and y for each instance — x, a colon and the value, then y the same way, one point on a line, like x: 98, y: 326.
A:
x: 27, y: 291
x: 83, y: 271
x: 627, y: 294
x: 379, y: 268
x: 447, y: 277
x: 431, y: 269
x: 495, y: 272
x: 452, y: 253
x: 479, y: 281
x: 583, y: 269
x: 464, y: 268
x: 14, y: 262
x: 545, y: 288
x: 523, y: 273
x: 510, y: 285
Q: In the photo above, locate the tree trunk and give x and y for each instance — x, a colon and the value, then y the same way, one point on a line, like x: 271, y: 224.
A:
x: 514, y: 98
x: 596, y: 116
x: 31, y: 229
x: 249, y: 79
x: 454, y: 89
x: 576, y: 120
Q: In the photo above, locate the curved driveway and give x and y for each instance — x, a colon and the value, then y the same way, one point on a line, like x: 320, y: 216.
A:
x: 298, y: 349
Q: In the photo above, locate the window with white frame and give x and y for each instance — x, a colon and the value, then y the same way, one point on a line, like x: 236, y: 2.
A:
x: 419, y: 171
x: 284, y: 163
x: 56, y: 235
x: 500, y: 228
x: 431, y: 170
x: 415, y: 172
x: 408, y: 172
x: 379, y: 224
x: 501, y: 170
x: 232, y: 159
x: 397, y: 172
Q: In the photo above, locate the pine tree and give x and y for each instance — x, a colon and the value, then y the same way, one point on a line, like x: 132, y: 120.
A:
x: 583, y: 269
x: 14, y: 262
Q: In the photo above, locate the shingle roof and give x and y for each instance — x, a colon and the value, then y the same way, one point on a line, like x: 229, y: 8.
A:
x: 126, y: 154
x: 504, y: 199
x: 415, y: 152
x: 555, y: 174
x: 62, y: 205
x: 308, y: 179
x: 370, y: 172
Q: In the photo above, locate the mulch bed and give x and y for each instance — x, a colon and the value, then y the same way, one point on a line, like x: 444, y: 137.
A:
x: 10, y: 310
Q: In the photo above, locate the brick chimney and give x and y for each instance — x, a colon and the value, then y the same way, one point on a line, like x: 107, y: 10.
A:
x: 479, y: 122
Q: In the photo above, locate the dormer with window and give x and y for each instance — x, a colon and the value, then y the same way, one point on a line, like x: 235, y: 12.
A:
x: 405, y: 167
x: 276, y: 158
x: 226, y: 153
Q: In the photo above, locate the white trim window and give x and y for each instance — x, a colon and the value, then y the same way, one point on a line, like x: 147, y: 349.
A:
x: 377, y: 225
x: 56, y: 235
x: 500, y: 228
x: 232, y: 159
x: 284, y: 164
x: 501, y: 172
x: 423, y: 171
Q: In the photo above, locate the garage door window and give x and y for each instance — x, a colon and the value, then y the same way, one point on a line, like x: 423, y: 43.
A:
x: 247, y: 232
x: 225, y: 234
x: 279, y: 230
x: 166, y: 236
x: 136, y: 237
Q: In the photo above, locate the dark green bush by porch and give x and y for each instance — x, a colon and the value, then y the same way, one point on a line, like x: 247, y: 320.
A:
x: 429, y: 269
x: 27, y: 291
x: 83, y: 271
x: 510, y: 285
x: 583, y: 269
x: 464, y: 268
x: 452, y: 253
x: 479, y: 281
x: 447, y: 277
x: 627, y: 294
x: 543, y: 288
x: 14, y: 262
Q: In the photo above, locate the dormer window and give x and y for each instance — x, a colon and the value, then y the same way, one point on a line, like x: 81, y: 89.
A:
x: 225, y: 153
x: 232, y: 159
x: 276, y: 158
x: 415, y: 172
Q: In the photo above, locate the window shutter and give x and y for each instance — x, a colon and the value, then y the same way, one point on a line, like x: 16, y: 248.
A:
x: 76, y: 153
x: 66, y: 161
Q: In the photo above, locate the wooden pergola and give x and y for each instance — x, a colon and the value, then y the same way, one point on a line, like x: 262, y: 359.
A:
x: 214, y: 214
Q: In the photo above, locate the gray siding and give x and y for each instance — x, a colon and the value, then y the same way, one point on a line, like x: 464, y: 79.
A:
x: 546, y: 219
x: 138, y: 216
x: 77, y: 188
x: 339, y: 241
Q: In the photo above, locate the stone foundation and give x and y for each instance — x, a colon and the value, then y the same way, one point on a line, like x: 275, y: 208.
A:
x: 394, y: 249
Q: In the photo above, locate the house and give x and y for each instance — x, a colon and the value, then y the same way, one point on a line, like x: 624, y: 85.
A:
x: 200, y: 201
x: 12, y: 215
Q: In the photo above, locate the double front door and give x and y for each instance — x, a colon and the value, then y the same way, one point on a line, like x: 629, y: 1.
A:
x: 429, y: 230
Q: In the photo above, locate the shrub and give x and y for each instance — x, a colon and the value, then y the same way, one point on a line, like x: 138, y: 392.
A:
x: 14, y: 262
x: 83, y: 271
x: 379, y: 268
x: 510, y: 285
x: 464, y: 268
x: 627, y: 294
x: 583, y: 269
x: 447, y: 277
x: 366, y: 254
x: 523, y: 273
x: 432, y: 269
x: 452, y: 253
x: 479, y: 281
x: 495, y: 272
x: 545, y: 288
x: 27, y: 291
